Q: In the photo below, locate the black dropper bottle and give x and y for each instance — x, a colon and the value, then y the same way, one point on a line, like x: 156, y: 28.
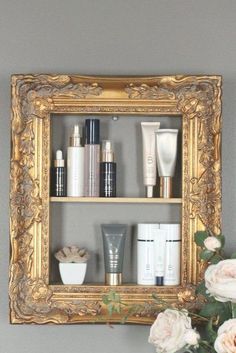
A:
x: 107, y: 171
x: 58, y: 179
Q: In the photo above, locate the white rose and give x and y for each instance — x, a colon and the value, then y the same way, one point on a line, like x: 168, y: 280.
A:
x: 212, y: 243
x: 168, y: 330
x: 226, y: 337
x: 192, y: 337
x: 220, y: 280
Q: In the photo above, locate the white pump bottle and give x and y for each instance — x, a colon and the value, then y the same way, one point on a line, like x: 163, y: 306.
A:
x: 75, y: 165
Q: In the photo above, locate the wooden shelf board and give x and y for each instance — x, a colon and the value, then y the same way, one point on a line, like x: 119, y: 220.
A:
x: 105, y: 286
x: 116, y: 200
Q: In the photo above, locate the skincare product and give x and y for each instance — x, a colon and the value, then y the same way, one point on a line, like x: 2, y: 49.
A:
x: 166, y: 145
x: 114, y: 243
x: 75, y: 164
x: 149, y: 155
x: 172, y: 254
x: 58, y: 178
x: 146, y: 234
x: 107, y: 171
x: 92, y: 157
x: 159, y: 255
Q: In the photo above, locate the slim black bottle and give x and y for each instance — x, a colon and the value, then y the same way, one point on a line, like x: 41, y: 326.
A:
x: 58, y: 179
x: 107, y: 171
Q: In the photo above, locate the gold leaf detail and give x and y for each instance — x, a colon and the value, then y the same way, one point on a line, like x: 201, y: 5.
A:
x: 25, y: 203
x: 187, y: 296
x: 145, y: 91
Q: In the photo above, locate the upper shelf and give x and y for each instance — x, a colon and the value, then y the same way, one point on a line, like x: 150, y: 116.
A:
x: 115, y: 200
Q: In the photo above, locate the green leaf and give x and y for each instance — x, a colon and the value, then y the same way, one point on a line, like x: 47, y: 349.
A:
x: 205, y: 347
x: 199, y: 237
x: 225, y: 313
x: 212, y: 309
x: 233, y: 256
x: 201, y: 288
x: 221, y: 238
x: 206, y: 254
x: 112, y: 295
x: 110, y: 309
x: 217, y: 309
x: 115, y: 297
x: 105, y: 299
x: 186, y: 349
x: 210, y: 332
x: 202, y: 349
x: 211, y: 299
x: 233, y: 310
x: 215, y: 259
x: 117, y: 309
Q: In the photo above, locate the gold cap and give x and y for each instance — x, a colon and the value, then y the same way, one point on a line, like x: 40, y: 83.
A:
x: 113, y: 279
x: 165, y: 187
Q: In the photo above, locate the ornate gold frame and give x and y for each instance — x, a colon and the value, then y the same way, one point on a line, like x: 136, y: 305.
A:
x: 34, y: 98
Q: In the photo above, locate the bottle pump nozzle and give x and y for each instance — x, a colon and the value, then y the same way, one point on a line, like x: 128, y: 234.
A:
x: 107, y: 151
x: 75, y: 138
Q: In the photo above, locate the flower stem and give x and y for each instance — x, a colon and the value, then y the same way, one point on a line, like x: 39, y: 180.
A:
x: 206, y: 344
x: 203, y: 318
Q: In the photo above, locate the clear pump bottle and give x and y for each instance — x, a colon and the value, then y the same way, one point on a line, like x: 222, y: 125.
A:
x: 92, y: 158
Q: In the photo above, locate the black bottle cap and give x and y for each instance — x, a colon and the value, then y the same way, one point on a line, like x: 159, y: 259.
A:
x: 92, y: 131
x: 159, y: 281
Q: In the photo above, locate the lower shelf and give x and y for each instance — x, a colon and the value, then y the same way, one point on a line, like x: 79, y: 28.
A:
x: 104, y: 286
x: 115, y: 200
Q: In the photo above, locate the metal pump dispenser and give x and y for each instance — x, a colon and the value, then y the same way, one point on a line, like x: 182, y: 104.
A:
x: 75, y: 138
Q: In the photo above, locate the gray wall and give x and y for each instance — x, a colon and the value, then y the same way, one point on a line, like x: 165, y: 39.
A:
x: 111, y: 37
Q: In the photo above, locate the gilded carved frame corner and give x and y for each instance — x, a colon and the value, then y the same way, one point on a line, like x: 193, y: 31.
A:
x: 34, y: 97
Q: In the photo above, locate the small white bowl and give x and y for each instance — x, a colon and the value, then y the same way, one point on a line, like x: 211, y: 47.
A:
x: 72, y: 273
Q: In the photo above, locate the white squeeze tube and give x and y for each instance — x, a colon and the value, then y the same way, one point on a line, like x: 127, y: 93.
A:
x: 172, y: 254
x: 149, y: 155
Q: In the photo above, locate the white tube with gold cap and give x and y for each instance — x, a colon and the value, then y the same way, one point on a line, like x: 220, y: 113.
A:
x: 149, y: 155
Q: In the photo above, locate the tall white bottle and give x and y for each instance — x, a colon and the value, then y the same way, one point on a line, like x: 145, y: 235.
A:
x: 75, y: 165
x: 145, y: 253
x: 172, y: 254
